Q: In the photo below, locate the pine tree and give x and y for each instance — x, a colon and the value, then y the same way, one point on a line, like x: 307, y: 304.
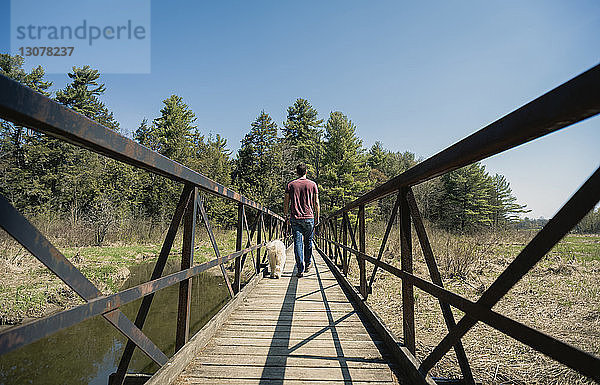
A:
x: 465, y: 202
x: 211, y: 157
x: 302, y: 132
x: 94, y: 188
x: 82, y: 95
x: 172, y: 134
x: 376, y: 156
x: 345, y: 168
x: 258, y: 165
x: 504, y: 209
x: 18, y: 183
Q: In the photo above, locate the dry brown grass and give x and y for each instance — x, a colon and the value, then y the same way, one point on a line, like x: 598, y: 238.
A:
x: 560, y: 297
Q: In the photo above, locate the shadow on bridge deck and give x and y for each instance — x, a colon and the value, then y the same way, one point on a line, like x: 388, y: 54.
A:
x: 293, y: 331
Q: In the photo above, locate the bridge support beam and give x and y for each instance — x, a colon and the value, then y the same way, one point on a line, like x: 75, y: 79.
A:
x: 187, y: 258
x: 237, y: 281
x: 436, y: 278
x: 213, y: 242
x: 142, y: 314
x: 408, y: 296
x: 362, y: 248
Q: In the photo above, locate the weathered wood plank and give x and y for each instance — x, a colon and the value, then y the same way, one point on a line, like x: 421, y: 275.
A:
x: 297, y: 312
x: 289, y: 361
x: 293, y: 331
x: 327, y: 351
x: 299, y: 307
x: 352, y: 334
x: 217, y: 381
x: 279, y: 300
x: 239, y: 330
x: 332, y: 317
x: 283, y: 372
x: 291, y: 343
x: 351, y: 320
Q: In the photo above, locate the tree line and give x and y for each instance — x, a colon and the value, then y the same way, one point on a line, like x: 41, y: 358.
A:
x: 44, y: 176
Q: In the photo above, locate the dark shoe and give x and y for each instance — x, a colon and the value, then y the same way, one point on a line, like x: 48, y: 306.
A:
x: 308, y: 266
x: 299, y: 275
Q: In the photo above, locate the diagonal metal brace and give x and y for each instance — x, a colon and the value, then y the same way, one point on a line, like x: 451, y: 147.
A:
x: 388, y: 229
x: 157, y: 273
x: 23, y: 231
x: 567, y: 217
x: 214, y: 245
x: 436, y: 278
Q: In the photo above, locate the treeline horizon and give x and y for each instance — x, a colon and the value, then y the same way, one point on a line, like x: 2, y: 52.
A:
x: 46, y: 177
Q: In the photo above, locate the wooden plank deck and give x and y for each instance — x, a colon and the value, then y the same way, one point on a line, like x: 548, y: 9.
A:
x: 293, y: 331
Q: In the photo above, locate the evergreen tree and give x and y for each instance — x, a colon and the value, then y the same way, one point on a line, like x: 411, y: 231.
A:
x: 385, y: 165
x: 376, y: 156
x: 395, y: 163
x: 82, y: 95
x: 16, y: 180
x: 172, y: 134
x: 12, y: 67
x: 590, y: 224
x: 504, y: 209
x: 345, y: 168
x: 94, y: 188
x: 465, y: 202
x: 302, y: 132
x: 258, y: 165
x: 211, y: 157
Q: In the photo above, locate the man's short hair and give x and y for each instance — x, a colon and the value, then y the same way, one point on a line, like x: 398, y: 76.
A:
x: 301, y: 169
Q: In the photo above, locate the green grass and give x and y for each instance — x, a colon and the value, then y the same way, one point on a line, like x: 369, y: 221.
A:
x: 580, y: 247
x: 121, y: 255
x: 103, y: 273
x: 27, y: 298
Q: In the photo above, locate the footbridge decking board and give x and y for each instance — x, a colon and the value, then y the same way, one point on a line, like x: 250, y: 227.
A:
x: 293, y: 331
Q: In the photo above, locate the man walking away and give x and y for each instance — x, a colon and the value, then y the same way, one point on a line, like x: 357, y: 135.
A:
x: 302, y: 196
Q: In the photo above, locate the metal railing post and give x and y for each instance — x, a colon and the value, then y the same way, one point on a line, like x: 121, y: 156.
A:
x: 336, y: 252
x: 408, y: 299
x: 187, y: 258
x: 237, y: 280
x: 362, y: 248
x: 345, y: 241
x: 259, y: 231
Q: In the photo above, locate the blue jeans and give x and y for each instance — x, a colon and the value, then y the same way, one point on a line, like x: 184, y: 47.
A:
x: 303, y: 235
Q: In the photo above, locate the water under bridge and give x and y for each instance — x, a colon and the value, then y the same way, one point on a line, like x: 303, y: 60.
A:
x: 318, y: 329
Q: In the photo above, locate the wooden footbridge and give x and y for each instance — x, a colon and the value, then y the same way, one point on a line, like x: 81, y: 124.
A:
x: 318, y: 329
x: 292, y: 331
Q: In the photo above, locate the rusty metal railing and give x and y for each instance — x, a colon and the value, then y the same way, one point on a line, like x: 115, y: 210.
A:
x: 25, y: 107
x: 569, y: 103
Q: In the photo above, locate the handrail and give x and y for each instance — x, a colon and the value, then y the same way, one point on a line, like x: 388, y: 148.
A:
x: 23, y: 106
x: 567, y: 104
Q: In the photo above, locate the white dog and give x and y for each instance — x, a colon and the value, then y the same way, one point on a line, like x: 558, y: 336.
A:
x: 276, y: 256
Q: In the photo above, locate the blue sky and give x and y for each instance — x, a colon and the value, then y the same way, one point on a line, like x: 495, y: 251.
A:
x: 416, y: 76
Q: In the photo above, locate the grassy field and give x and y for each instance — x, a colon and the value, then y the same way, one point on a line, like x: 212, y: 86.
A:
x: 29, y: 290
x: 560, y: 297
